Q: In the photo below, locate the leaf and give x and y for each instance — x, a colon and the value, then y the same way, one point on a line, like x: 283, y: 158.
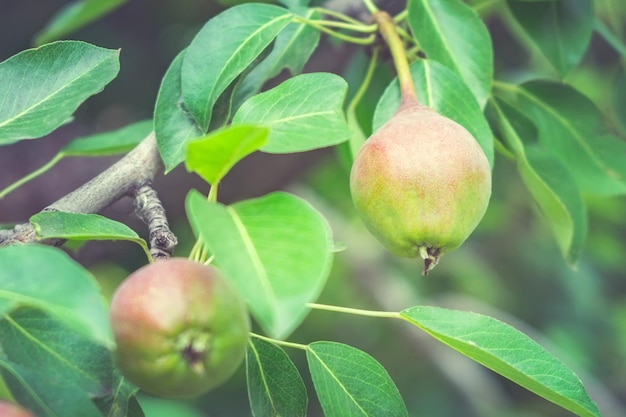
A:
x: 563, y: 195
x: 46, y: 278
x: 73, y: 16
x: 303, y: 113
x: 291, y: 4
x: 121, y: 400
x: 55, y: 372
x: 450, y: 32
x: 571, y: 127
x: 549, y: 181
x: 349, y: 382
x: 439, y: 88
x: 619, y: 101
x: 292, y: 49
x: 226, y: 103
x: 109, y: 143
x: 506, y: 351
x: 79, y: 226
x: 134, y: 409
x: 214, y: 155
x: 254, y: 243
x: 42, y: 87
x: 158, y: 407
x: 275, y: 387
x: 174, y: 127
x: 225, y: 47
x: 561, y: 29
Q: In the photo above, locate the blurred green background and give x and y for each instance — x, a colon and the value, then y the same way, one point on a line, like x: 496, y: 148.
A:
x: 510, y: 268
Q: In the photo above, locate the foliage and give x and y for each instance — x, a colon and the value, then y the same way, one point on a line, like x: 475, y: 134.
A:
x: 277, y: 250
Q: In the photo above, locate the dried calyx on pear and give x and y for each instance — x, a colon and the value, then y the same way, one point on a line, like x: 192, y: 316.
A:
x: 421, y: 183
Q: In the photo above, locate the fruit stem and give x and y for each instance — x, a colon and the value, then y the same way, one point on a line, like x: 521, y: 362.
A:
x: 355, y: 311
x: 387, y: 28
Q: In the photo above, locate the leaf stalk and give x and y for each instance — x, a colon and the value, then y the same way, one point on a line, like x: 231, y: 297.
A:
x: 355, y: 311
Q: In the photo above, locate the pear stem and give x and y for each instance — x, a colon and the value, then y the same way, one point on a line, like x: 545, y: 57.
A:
x: 387, y: 28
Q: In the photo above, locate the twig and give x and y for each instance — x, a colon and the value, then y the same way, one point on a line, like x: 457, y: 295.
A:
x: 124, y: 178
x: 148, y: 208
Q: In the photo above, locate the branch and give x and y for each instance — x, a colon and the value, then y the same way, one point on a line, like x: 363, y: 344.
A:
x: 124, y: 178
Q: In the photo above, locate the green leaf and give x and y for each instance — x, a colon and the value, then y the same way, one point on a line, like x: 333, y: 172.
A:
x: 555, y: 190
x: 291, y: 4
x: 276, y: 250
x: 224, y: 48
x: 438, y: 87
x: 275, y: 387
x: 174, y: 127
x: 506, y: 351
x: 55, y: 372
x: 79, y: 226
x: 619, y: 101
x: 549, y: 181
x: 46, y: 278
x: 214, y: 155
x: 561, y: 29
x: 349, y: 382
x: 109, y: 143
x: 292, y: 49
x: 134, y: 409
x: 120, y: 400
x: 303, y: 113
x: 42, y: 87
x: 451, y: 33
x: 158, y: 407
x: 74, y: 16
x: 226, y: 103
x: 572, y: 128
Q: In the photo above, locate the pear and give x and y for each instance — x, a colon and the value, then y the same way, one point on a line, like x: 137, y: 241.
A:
x: 180, y: 330
x: 421, y: 184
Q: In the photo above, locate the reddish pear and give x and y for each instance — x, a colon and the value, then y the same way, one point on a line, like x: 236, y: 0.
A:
x: 8, y: 409
x: 180, y: 329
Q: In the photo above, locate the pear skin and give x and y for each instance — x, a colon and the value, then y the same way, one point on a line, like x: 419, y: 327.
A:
x: 421, y: 184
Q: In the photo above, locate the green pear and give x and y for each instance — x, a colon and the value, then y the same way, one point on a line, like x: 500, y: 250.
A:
x: 421, y: 184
